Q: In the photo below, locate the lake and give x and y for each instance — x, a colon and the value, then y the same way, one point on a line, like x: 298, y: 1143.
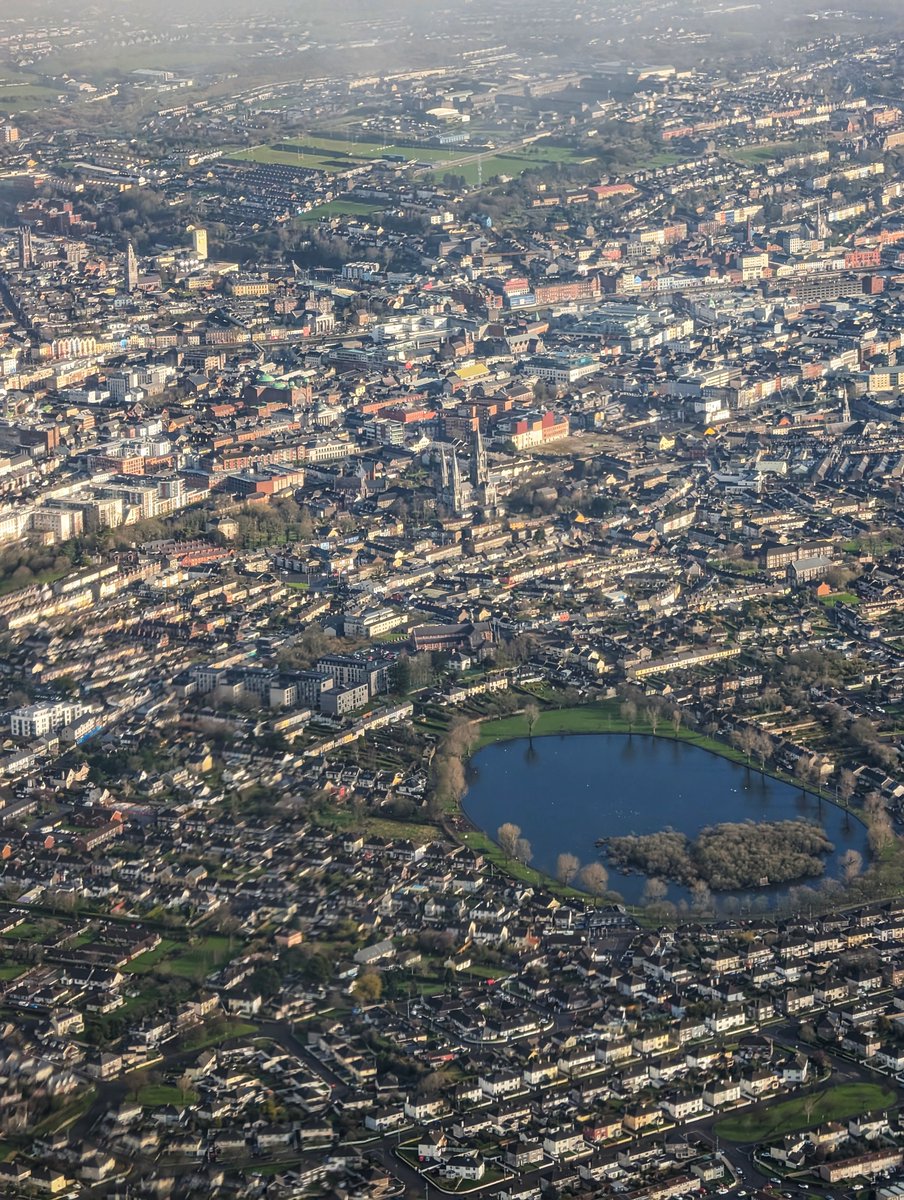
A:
x: 568, y: 790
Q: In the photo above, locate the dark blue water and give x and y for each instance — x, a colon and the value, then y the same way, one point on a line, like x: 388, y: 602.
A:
x: 566, y: 791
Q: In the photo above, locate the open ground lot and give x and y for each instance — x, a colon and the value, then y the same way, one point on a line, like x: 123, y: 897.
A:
x: 763, y: 1123
x: 337, y: 153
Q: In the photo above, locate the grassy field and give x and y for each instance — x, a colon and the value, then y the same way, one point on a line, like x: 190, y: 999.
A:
x: 353, y: 148
x: 16, y: 585
x: 337, y: 817
x: 335, y: 154
x: 192, y: 962
x: 755, y: 155
x: 338, y: 208
x: 62, y: 1117
x: 106, y: 58
x: 26, y: 95
x: 26, y: 932
x: 512, y: 164
x: 603, y: 717
x: 195, y: 962
x: 844, y: 597
x: 665, y: 158
x: 484, y: 844
x: 202, y: 1037
x: 877, y: 544
x: 834, y: 1104
x: 268, y: 155
x: 151, y: 959
x: 157, y: 1095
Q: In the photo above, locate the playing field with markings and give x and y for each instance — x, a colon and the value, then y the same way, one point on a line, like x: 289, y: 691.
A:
x: 336, y: 153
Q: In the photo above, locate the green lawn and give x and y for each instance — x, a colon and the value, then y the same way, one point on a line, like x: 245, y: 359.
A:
x: 16, y: 585
x: 602, y: 717
x: 665, y: 158
x: 202, y: 1037
x: 844, y: 597
x: 338, y: 208
x: 69, y: 1112
x: 195, y: 962
x: 338, y: 817
x: 484, y: 844
x: 876, y: 544
x: 157, y: 1095
x: 335, y: 154
x: 26, y: 932
x: 388, y: 828
x: 268, y: 155
x: 12, y: 970
x: 151, y: 959
x: 27, y: 95
x: 349, y: 147
x: 192, y: 962
x: 755, y: 155
x: 766, y: 1122
x: 513, y: 163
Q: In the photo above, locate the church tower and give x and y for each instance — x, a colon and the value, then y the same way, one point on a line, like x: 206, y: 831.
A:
x: 131, y: 269
x: 455, y: 485
x: 483, y: 490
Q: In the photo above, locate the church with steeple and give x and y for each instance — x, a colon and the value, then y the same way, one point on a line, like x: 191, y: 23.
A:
x: 476, y: 494
x: 451, y: 486
x: 483, y: 490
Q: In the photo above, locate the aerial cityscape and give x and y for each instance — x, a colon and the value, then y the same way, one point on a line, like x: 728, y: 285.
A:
x: 451, y: 600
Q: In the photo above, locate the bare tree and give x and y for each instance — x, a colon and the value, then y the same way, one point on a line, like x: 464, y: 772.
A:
x: 567, y: 866
x: 873, y: 805
x: 531, y: 715
x: 654, y: 891
x: 507, y: 836
x: 594, y: 879
x: 743, y: 738
x: 805, y: 770
x: 847, y: 785
x: 763, y: 749
x: 629, y: 714
x: 677, y: 718
x: 523, y: 851
x: 461, y: 737
x: 851, y: 865
x: 449, y: 783
x: 701, y: 897
x: 433, y: 1082
x: 652, y: 715
x: 881, y: 833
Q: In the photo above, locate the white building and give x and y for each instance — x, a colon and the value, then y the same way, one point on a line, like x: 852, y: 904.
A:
x: 37, y: 720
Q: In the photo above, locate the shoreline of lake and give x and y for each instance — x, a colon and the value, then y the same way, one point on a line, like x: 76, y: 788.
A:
x: 676, y: 783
